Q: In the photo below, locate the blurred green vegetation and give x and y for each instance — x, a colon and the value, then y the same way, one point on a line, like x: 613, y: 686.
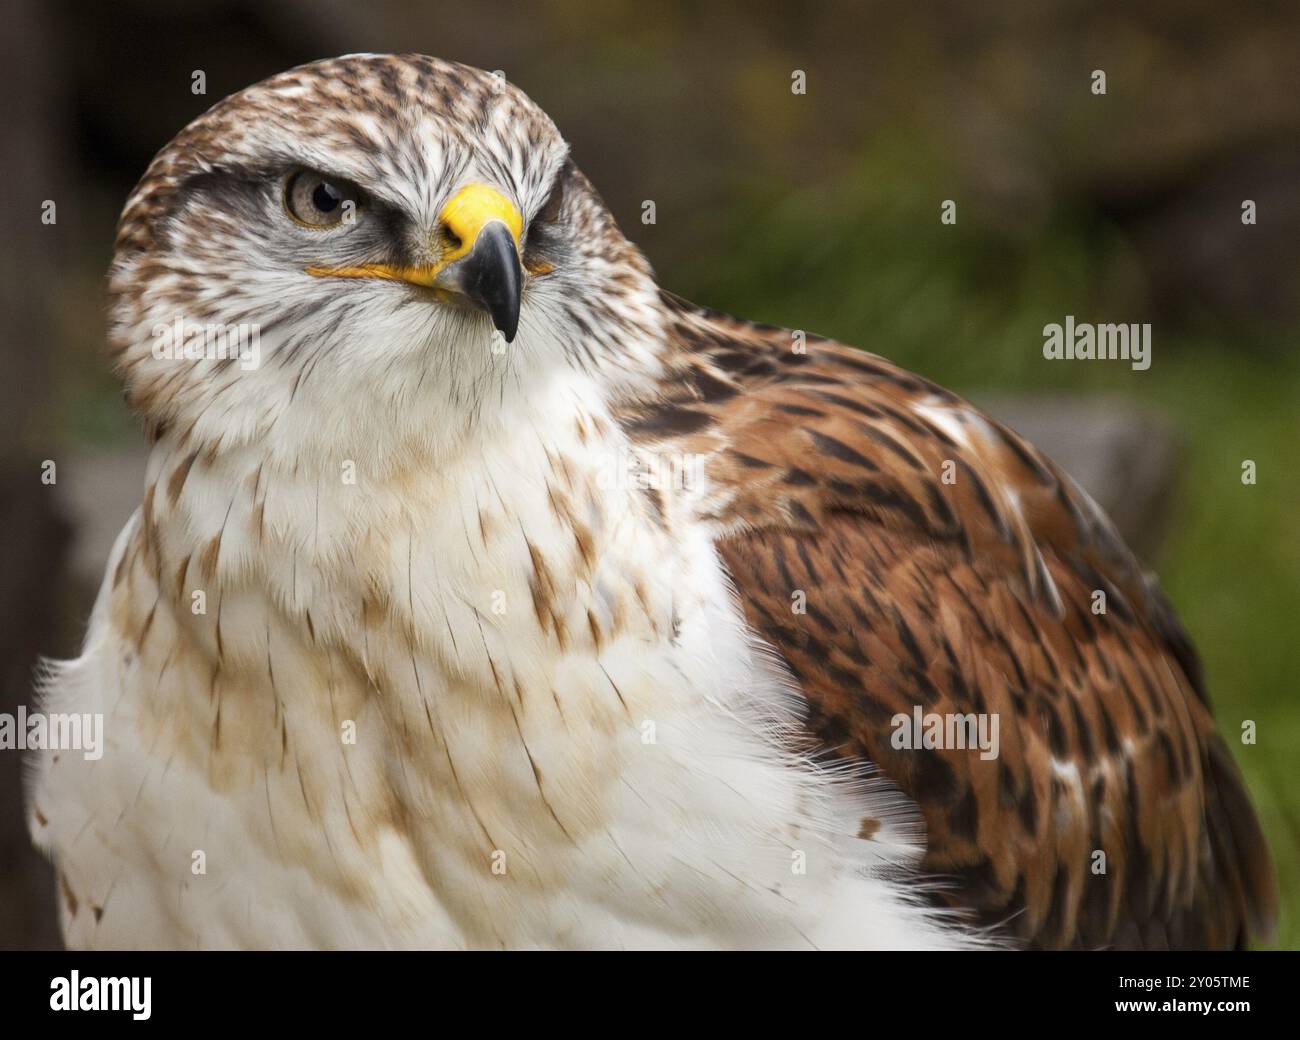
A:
x: 867, y: 261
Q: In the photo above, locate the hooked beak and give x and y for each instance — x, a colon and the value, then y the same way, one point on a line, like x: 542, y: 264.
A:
x: 490, y: 276
x: 479, y: 231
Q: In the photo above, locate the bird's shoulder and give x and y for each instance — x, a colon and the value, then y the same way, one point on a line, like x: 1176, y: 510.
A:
x: 904, y: 551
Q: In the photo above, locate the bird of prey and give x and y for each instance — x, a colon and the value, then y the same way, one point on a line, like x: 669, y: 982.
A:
x: 484, y: 594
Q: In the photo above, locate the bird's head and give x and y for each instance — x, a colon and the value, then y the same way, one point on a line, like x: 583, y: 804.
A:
x: 393, y: 245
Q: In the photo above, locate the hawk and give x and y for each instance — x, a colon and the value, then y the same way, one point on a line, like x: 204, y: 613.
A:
x: 485, y: 594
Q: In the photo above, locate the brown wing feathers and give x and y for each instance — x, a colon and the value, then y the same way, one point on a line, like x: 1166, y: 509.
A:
x: 946, y: 564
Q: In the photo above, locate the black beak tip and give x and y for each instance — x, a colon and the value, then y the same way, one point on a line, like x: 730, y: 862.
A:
x: 507, y: 322
x: 493, y: 278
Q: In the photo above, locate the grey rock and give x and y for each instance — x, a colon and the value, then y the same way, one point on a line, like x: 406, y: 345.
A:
x: 1125, y: 455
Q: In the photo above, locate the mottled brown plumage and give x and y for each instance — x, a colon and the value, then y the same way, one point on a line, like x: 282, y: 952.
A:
x: 972, y: 593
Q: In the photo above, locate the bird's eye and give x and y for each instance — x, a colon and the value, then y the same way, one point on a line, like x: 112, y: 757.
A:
x: 542, y: 230
x: 550, y: 210
x: 319, y: 201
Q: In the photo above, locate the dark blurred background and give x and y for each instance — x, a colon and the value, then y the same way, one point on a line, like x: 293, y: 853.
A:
x: 817, y: 211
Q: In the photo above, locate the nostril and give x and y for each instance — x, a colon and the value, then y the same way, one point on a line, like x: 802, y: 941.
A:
x: 450, y: 237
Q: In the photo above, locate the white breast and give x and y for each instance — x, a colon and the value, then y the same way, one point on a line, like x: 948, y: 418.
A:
x: 564, y: 733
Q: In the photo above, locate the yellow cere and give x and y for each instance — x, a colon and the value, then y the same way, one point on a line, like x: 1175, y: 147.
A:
x: 471, y: 209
